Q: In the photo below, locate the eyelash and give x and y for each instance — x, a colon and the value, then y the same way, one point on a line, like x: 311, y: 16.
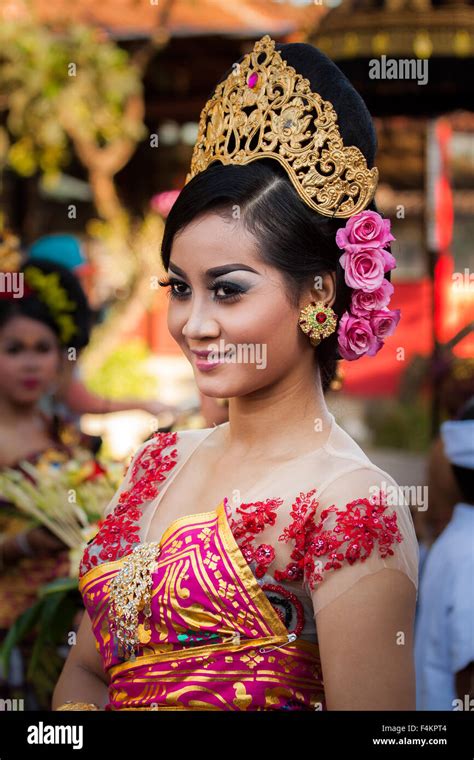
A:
x: 216, y: 285
x: 42, y: 349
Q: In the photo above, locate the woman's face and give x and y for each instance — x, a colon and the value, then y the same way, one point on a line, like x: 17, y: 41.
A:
x: 29, y: 360
x: 241, y: 309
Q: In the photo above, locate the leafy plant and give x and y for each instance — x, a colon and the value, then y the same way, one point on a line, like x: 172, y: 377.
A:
x: 125, y: 373
x: 77, y: 93
x: 400, y: 424
x: 49, y: 620
x: 62, y: 89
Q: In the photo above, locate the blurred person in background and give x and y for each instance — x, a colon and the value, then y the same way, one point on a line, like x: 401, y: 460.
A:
x: 71, y: 397
x: 443, y: 496
x: 455, y: 379
x: 444, y: 631
x: 215, y: 411
x: 36, y: 329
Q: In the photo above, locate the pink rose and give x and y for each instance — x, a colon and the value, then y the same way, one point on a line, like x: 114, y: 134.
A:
x: 364, y: 270
x: 384, y: 322
x: 389, y: 260
x: 355, y: 337
x: 367, y: 229
x: 363, y: 301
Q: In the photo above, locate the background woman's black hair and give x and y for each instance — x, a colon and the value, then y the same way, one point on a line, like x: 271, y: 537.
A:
x: 465, y: 475
x: 33, y: 307
x: 291, y: 236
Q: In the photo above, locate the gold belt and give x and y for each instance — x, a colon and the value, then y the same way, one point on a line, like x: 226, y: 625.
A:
x: 164, y: 707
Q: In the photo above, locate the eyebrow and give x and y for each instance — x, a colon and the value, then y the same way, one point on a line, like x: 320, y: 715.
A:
x: 215, y: 271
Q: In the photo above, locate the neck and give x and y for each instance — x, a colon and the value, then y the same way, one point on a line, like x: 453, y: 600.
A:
x: 12, y: 412
x: 291, y: 418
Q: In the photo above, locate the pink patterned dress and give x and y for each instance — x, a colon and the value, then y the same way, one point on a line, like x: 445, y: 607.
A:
x: 221, y: 612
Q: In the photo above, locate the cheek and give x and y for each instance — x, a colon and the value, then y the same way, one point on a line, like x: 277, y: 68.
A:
x: 49, y: 363
x: 270, y: 323
x: 273, y: 332
x: 10, y: 366
x: 273, y: 325
x: 176, y: 319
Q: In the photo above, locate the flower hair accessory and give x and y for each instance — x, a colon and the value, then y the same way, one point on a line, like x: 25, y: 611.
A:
x: 46, y: 286
x: 365, y: 325
x: 51, y: 292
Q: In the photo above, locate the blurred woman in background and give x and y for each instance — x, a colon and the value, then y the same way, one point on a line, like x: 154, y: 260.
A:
x: 47, y: 316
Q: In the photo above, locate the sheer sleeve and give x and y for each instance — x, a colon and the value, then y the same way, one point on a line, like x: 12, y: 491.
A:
x: 108, y: 542
x: 361, y: 524
x: 129, y: 473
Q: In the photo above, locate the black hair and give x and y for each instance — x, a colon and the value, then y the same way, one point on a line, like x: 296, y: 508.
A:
x: 32, y: 306
x: 465, y: 475
x: 292, y: 237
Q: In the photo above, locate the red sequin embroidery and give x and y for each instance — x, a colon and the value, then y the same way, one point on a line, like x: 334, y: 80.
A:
x: 251, y: 523
x: 119, y: 531
x: 360, y: 526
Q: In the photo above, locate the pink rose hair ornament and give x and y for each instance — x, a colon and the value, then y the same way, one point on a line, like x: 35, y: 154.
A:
x: 364, y: 327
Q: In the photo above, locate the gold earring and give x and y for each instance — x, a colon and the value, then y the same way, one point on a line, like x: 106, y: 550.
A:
x: 318, y: 321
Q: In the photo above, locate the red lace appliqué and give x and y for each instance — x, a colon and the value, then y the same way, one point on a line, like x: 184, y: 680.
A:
x: 248, y: 525
x: 119, y: 531
x: 360, y: 526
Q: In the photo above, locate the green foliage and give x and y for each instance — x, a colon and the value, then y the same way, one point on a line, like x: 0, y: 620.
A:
x: 54, y: 85
x: 50, y: 619
x: 125, y: 373
x: 399, y: 424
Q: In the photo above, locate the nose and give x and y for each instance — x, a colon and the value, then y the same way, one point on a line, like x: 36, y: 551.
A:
x: 31, y: 360
x: 200, y: 324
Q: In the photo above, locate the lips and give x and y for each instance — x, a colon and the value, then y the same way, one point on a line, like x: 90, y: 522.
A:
x: 202, y: 354
x: 214, y: 360
x: 205, y: 354
x: 30, y: 382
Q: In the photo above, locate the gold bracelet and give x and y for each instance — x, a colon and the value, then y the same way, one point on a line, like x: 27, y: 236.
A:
x: 69, y: 705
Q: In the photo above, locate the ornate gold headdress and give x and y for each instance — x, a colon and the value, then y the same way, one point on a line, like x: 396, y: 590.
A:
x: 265, y: 109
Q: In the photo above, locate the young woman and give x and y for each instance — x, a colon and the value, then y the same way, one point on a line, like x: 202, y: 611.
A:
x: 35, y: 329
x: 265, y: 563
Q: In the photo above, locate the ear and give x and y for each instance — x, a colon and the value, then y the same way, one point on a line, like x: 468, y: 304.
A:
x: 321, y: 288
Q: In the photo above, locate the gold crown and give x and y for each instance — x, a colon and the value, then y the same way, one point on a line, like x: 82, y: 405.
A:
x: 263, y: 110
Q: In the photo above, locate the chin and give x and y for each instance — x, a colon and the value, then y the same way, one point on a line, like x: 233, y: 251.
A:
x: 213, y: 390
x: 27, y: 397
x: 211, y: 385
x: 220, y: 388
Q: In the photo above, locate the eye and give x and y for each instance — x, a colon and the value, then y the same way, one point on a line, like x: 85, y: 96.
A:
x: 13, y: 349
x: 221, y: 285
x: 234, y: 294
x: 172, y: 283
x: 44, y: 348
